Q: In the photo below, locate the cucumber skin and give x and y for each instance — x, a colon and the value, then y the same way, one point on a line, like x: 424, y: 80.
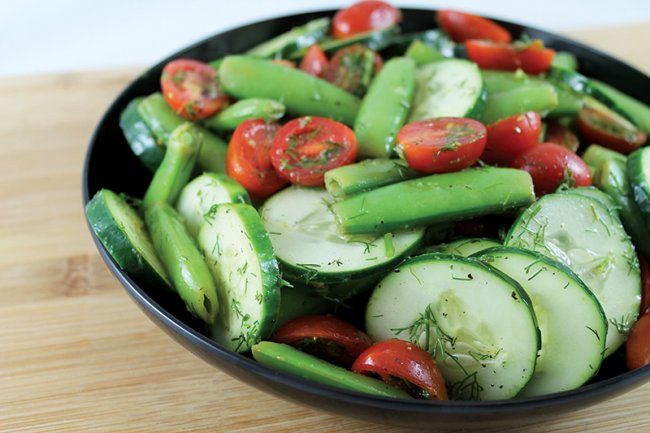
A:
x: 269, y: 267
x: 289, y: 360
x: 183, y: 260
x: 297, y: 38
x: 637, y: 111
x: 385, y: 108
x: 436, y: 198
x: 140, y: 138
x: 639, y: 181
x: 119, y: 246
x: 302, y: 94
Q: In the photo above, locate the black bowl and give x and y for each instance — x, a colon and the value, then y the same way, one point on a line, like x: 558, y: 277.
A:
x: 110, y: 164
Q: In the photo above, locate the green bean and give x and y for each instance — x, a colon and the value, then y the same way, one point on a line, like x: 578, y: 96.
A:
x: 366, y: 175
x: 422, y: 53
x: 251, y: 108
x: 436, y: 198
x: 176, y: 167
x: 302, y: 94
x: 385, y: 107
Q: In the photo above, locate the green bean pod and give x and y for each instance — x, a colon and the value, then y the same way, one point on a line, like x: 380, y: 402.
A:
x: 302, y: 93
x: 162, y: 120
x: 435, y: 199
x: 367, y: 175
x: 385, y: 108
x: 177, y: 165
x: 183, y: 261
x: 252, y: 108
x: 422, y: 53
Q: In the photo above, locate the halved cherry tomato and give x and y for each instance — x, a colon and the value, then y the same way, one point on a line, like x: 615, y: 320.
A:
x: 324, y: 336
x: 352, y: 68
x: 532, y: 57
x: 364, y: 16
x: 314, y: 62
x: 306, y: 147
x: 560, y: 134
x: 463, y: 26
x: 510, y: 137
x: 550, y: 164
x: 404, y: 365
x: 599, y: 127
x: 192, y: 89
x: 645, y: 285
x: 442, y: 145
x: 248, y: 159
x: 637, y: 348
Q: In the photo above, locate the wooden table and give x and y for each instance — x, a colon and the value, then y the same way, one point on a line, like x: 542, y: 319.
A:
x: 77, y: 355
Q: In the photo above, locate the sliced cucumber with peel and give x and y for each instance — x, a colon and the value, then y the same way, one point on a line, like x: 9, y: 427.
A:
x: 297, y: 38
x: 463, y: 247
x: 571, y: 321
x: 447, y: 88
x: 240, y: 256
x: 123, y: 233
x: 581, y: 233
x: 205, y: 191
x: 477, y: 323
x: 638, y: 173
x: 305, y: 239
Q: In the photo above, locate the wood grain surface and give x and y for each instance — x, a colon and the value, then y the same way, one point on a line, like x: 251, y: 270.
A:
x: 77, y: 355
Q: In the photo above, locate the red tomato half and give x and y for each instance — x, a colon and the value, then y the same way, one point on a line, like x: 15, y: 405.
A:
x: 645, y: 285
x: 352, y: 68
x: 560, y: 134
x: 192, y: 89
x: 550, y: 164
x: 598, y: 127
x: 442, y: 145
x: 532, y: 57
x: 314, y: 62
x: 462, y: 26
x: 510, y: 137
x: 248, y: 160
x: 364, y: 16
x: 404, y: 365
x: 637, y: 348
x: 326, y: 337
x: 306, y: 147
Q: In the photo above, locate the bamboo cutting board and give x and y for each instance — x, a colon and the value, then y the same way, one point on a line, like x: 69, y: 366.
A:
x: 77, y: 355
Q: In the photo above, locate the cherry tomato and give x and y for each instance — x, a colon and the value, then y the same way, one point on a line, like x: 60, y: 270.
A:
x: 306, y: 147
x: 532, y: 57
x: 405, y: 366
x: 637, y: 348
x: 550, y: 164
x: 442, y: 145
x: 364, y: 16
x: 314, y: 62
x: 192, y: 89
x: 510, y: 137
x: 599, y: 127
x: 463, y: 26
x: 560, y: 134
x: 645, y: 285
x: 248, y: 159
x: 352, y: 68
x: 326, y: 337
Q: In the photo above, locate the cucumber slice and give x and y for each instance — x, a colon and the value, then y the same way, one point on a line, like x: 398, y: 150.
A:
x: 593, y: 192
x: 476, y: 322
x: 202, y: 193
x: 139, y: 136
x: 448, y: 88
x: 581, y: 233
x: 307, y: 244
x: 376, y: 40
x: 241, y: 259
x: 463, y: 247
x: 122, y: 232
x: 638, y: 173
x: 571, y: 321
x: 297, y: 38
